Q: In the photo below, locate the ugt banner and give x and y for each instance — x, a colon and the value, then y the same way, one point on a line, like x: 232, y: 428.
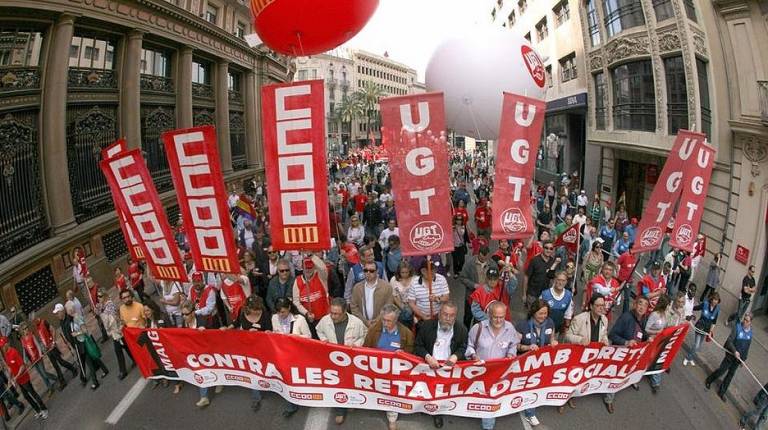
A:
x: 519, y: 134
x: 193, y: 158
x: 413, y: 132
x: 134, y: 248
x: 696, y: 178
x: 313, y: 373
x: 658, y: 210
x: 136, y: 196
x: 293, y: 120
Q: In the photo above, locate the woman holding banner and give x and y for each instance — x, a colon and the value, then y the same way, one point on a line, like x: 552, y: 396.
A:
x: 538, y: 331
x: 284, y: 321
x: 254, y: 316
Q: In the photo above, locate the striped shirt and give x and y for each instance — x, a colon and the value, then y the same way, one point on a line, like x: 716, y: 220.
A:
x: 419, y: 292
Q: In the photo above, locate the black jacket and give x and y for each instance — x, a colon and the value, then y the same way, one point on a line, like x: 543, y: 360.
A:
x: 66, y: 330
x: 427, y: 335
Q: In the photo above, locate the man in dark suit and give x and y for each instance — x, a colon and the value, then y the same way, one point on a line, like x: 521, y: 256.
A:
x: 442, y: 342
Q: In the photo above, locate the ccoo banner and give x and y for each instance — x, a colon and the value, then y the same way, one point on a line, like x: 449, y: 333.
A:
x: 519, y: 133
x: 696, y: 178
x: 658, y: 210
x: 340, y: 376
x: 413, y: 132
x: 134, y: 247
x: 293, y: 119
x: 193, y: 158
x: 137, y: 198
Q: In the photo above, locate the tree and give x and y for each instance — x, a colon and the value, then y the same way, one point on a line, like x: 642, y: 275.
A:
x: 369, y: 95
x: 347, y: 110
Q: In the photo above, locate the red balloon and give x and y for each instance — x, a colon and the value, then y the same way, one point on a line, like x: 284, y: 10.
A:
x: 308, y: 27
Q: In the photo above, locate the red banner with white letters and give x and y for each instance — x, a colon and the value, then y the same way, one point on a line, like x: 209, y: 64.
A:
x: 134, y: 247
x: 413, y: 133
x: 365, y: 378
x: 519, y: 137
x: 193, y: 158
x: 136, y: 196
x: 570, y: 238
x: 658, y: 210
x: 696, y: 175
x: 293, y: 121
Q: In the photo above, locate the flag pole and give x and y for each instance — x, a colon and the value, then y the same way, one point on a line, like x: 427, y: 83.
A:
x: 429, y: 285
x: 576, y: 267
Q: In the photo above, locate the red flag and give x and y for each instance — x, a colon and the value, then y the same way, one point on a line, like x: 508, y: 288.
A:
x: 293, y: 120
x: 519, y: 134
x: 659, y: 209
x: 569, y: 238
x: 415, y: 129
x: 193, y: 158
x: 134, y: 247
x: 136, y: 196
x: 696, y: 178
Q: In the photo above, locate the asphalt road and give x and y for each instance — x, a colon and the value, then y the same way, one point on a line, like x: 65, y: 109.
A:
x: 682, y: 403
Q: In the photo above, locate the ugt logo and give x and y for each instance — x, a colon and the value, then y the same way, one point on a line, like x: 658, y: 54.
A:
x: 513, y: 221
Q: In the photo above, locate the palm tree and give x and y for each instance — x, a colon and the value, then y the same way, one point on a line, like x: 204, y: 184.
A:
x: 369, y: 95
x: 346, y: 111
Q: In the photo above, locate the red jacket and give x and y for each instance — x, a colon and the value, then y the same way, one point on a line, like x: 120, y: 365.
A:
x: 483, y: 217
x: 15, y: 364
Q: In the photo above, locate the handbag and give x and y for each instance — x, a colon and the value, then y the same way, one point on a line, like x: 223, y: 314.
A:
x: 91, y: 348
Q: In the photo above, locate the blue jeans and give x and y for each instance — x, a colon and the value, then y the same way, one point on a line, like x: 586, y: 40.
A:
x: 655, y: 379
x: 291, y: 407
x: 487, y: 423
x: 529, y: 412
x: 696, y: 345
x: 256, y: 395
x: 203, y: 392
x: 760, y: 413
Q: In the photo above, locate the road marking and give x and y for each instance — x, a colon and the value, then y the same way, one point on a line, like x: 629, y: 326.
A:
x: 127, y: 401
x: 317, y: 419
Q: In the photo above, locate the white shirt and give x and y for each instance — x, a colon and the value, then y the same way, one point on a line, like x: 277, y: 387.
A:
x: 582, y: 200
x: 384, y: 236
x: 442, y: 349
x: 385, y: 197
x: 232, y: 200
x: 369, y: 290
x: 580, y: 219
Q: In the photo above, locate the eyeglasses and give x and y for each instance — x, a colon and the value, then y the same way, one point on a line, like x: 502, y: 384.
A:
x: 549, y: 248
x: 369, y: 270
x: 187, y: 313
x: 283, y: 270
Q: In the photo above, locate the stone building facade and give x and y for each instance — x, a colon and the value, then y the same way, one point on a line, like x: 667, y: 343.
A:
x: 74, y: 76
x: 658, y: 66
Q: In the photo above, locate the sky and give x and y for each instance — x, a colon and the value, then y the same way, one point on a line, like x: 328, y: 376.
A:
x: 410, y: 30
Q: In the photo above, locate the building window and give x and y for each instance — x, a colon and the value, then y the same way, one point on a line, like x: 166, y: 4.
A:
x: 663, y: 9
x: 562, y: 13
x: 155, y: 63
x: 233, y: 82
x: 621, y: 15
x: 594, y: 27
x: 201, y: 73
x: 523, y: 5
x: 548, y: 71
x: 211, y: 13
x: 690, y: 10
x: 706, y: 112
x: 92, y: 53
x: 511, y: 19
x: 541, y: 29
x: 302, y: 76
x: 677, y: 103
x: 568, y: 67
x: 528, y: 36
x: 600, y: 99
x: 240, y: 30
x: 634, y: 105
x: 21, y: 48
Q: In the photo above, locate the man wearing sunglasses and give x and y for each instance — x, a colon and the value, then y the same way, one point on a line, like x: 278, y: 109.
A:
x: 370, y: 295
x: 536, y: 279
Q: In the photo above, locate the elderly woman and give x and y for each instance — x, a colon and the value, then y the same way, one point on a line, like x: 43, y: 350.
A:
x: 90, y: 353
x: 657, y: 322
x: 114, y: 327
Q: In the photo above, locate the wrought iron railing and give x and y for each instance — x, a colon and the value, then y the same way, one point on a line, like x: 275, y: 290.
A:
x: 202, y: 116
x: 154, y: 121
x: 114, y: 245
x: 22, y: 220
x: 236, y: 97
x: 36, y: 290
x: 159, y: 84
x: 19, y: 78
x: 203, y: 91
x: 91, y: 79
x: 762, y: 88
x: 89, y: 130
x: 237, y: 140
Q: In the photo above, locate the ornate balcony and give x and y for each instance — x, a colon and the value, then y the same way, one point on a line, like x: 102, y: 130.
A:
x: 91, y: 79
x: 19, y: 79
x: 203, y: 91
x: 159, y: 84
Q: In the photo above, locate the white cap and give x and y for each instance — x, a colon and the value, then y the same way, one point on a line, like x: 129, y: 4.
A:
x: 58, y: 308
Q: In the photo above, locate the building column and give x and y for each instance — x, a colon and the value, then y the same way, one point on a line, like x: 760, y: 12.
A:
x: 222, y: 115
x: 184, y: 88
x: 130, y: 90
x: 253, y: 148
x: 54, y: 127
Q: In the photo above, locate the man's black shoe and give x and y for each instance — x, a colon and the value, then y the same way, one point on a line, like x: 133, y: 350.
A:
x: 439, y: 422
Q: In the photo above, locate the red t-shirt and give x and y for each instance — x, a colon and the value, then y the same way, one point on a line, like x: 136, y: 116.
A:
x: 626, y: 262
x: 15, y: 363
x: 483, y: 217
x: 360, y: 200
x: 350, y: 250
x: 461, y: 212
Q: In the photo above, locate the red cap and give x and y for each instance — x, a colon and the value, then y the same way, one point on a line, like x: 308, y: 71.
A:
x: 3, y: 341
x: 308, y: 263
x: 197, y: 277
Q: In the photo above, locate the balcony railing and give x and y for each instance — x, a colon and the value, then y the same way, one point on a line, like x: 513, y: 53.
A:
x: 19, y: 78
x: 762, y: 88
x: 203, y: 91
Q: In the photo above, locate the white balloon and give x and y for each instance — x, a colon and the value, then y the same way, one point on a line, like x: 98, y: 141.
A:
x: 474, y: 71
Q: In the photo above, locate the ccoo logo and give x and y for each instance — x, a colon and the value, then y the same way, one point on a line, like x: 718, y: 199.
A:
x: 684, y: 234
x: 513, y: 221
x: 426, y: 235
x: 650, y: 237
x: 534, y: 64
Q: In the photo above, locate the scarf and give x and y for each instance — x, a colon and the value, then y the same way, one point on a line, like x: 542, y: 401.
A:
x: 110, y: 308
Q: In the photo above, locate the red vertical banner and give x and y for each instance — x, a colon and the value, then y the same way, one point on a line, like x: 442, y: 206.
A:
x: 696, y: 175
x: 413, y: 132
x: 134, y: 248
x: 193, y: 158
x: 660, y: 206
x: 136, y: 196
x: 519, y: 136
x: 293, y: 122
